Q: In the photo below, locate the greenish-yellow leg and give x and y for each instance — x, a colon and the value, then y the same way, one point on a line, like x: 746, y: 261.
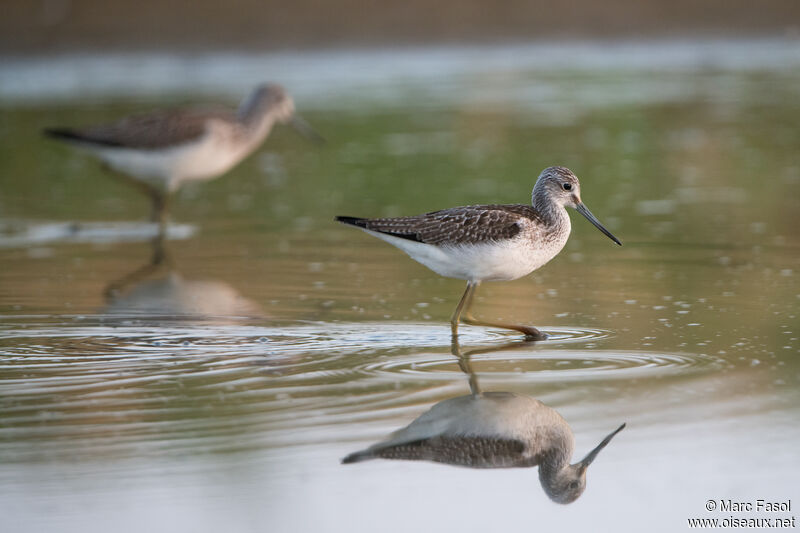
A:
x: 463, y: 314
x: 158, y: 198
x: 465, y: 302
x: 465, y: 364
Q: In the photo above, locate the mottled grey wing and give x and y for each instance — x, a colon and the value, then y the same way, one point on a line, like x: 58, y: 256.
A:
x: 459, y: 225
x: 475, y: 452
x: 149, y: 131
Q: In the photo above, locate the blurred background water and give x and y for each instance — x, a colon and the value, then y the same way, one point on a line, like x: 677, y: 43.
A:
x: 220, y: 388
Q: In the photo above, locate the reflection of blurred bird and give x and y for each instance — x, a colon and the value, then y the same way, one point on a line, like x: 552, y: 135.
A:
x: 489, y: 242
x: 174, y: 296
x: 493, y: 430
x: 156, y: 290
x: 162, y: 150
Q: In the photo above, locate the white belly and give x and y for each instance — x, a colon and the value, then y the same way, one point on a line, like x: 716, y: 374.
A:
x: 166, y: 169
x: 494, y: 261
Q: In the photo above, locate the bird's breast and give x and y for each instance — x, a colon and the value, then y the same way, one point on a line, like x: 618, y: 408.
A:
x: 505, y: 260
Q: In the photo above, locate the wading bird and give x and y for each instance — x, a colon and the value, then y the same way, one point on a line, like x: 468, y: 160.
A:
x: 489, y: 242
x: 160, y: 151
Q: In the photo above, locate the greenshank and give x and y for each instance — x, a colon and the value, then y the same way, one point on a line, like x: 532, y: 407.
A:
x: 493, y: 430
x: 161, y: 150
x: 489, y: 242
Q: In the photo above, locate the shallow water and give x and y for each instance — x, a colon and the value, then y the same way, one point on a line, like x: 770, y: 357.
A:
x: 221, y: 388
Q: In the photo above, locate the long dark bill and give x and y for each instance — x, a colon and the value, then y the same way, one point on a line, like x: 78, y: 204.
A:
x: 593, y: 454
x: 304, y: 128
x: 582, y: 209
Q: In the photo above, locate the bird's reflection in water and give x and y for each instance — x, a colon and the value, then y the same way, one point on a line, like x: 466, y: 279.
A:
x: 492, y: 430
x: 157, y: 289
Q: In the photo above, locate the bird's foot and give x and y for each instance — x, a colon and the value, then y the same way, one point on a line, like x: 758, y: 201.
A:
x: 532, y: 334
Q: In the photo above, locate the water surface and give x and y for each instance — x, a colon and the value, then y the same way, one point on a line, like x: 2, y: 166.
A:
x: 221, y: 388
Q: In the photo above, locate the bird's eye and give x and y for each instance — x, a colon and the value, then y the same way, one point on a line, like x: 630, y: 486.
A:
x: 573, y: 485
x: 566, y: 186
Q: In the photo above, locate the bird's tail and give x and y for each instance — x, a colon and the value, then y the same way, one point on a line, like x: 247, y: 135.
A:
x: 64, y: 134
x: 353, y: 221
x: 357, y: 457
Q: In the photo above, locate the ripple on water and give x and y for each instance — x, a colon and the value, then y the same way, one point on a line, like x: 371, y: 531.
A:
x: 541, y: 365
x: 23, y: 233
x: 120, y: 387
x: 106, y: 335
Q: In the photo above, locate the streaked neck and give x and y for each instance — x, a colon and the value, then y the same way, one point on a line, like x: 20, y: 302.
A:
x: 552, y: 213
x: 552, y: 462
x: 257, y: 121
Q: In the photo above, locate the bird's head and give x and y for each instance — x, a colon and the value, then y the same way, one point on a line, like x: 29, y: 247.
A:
x: 559, y: 186
x: 568, y: 483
